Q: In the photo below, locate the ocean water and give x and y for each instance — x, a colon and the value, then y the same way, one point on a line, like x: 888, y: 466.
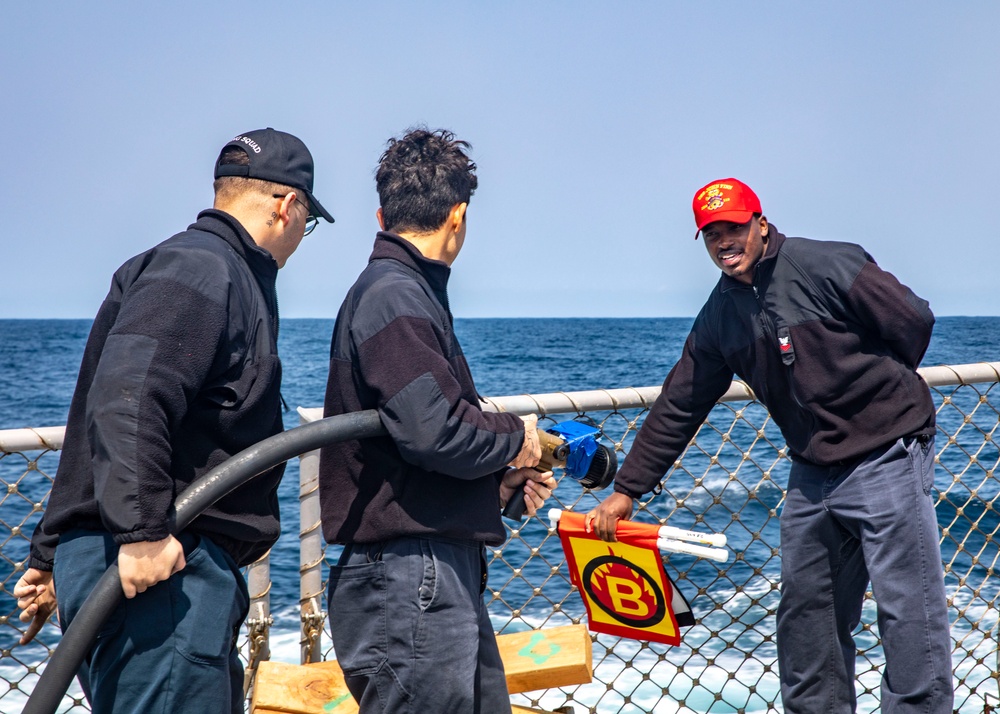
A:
x: 39, y: 361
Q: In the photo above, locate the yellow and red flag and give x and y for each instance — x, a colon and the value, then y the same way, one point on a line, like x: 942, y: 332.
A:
x: 624, y: 587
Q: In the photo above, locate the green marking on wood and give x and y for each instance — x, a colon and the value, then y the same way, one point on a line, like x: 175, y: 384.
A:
x: 334, y: 703
x: 538, y: 657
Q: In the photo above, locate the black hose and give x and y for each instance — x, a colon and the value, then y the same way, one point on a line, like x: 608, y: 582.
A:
x: 224, y: 478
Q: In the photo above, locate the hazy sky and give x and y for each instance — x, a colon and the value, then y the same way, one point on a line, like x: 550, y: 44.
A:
x: 592, y: 124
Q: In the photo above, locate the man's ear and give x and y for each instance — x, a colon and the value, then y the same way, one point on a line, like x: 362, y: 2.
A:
x: 457, y: 216
x: 381, y: 221
x: 763, y: 227
x: 285, y: 206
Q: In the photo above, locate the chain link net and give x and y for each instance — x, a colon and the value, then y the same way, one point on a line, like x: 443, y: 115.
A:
x: 25, y: 480
x: 731, y: 480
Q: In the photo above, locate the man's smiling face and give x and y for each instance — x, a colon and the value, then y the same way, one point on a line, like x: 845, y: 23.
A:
x: 736, y: 247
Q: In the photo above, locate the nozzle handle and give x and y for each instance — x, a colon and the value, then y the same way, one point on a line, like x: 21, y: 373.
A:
x: 515, y: 507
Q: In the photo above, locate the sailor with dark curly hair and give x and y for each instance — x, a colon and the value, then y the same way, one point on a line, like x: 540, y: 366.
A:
x: 415, y: 509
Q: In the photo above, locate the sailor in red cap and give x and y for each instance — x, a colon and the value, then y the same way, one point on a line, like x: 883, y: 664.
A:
x: 830, y: 343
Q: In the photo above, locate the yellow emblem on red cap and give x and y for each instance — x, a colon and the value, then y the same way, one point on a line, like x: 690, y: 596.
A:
x: 712, y: 195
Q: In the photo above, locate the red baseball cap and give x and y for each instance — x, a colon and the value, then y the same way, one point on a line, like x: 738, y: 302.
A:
x: 726, y: 199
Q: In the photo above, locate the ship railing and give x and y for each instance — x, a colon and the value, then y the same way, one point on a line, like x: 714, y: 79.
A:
x: 730, y: 479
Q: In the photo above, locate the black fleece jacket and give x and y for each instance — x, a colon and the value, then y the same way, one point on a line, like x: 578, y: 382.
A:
x: 394, y: 349
x: 827, y: 340
x: 180, y: 372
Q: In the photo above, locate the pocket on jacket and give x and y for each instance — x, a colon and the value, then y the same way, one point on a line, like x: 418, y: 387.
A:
x: 356, y: 602
x: 231, y: 392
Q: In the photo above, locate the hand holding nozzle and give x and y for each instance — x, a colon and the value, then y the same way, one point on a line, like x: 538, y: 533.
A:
x: 530, y: 487
x: 531, y: 450
x: 572, y: 446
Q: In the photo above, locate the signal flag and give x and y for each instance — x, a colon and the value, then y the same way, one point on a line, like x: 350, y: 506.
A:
x: 623, y: 585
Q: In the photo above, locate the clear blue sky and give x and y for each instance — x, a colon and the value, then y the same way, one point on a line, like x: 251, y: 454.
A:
x: 592, y: 124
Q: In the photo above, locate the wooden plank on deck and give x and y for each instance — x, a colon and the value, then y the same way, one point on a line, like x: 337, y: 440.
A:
x: 537, y: 659
x: 546, y: 658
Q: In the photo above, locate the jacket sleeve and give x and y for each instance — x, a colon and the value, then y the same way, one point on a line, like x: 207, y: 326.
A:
x: 156, y: 358
x: 420, y: 402
x: 892, y: 311
x: 692, y: 388
x: 43, y: 547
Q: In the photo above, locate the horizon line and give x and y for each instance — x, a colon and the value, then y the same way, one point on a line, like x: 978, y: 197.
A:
x: 477, y: 317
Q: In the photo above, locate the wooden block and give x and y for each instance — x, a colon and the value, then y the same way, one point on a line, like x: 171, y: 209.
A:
x: 537, y: 659
x: 515, y: 709
x: 546, y: 658
x: 319, y: 688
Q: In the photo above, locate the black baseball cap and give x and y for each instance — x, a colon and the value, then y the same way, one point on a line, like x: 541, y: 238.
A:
x: 277, y: 157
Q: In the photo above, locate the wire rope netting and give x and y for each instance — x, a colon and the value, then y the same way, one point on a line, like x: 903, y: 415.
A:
x: 731, y: 480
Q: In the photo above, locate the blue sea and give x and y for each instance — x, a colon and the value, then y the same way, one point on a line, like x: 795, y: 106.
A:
x: 39, y: 361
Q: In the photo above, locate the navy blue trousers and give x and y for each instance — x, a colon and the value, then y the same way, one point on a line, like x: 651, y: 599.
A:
x: 842, y: 526
x: 411, y: 630
x: 169, y: 650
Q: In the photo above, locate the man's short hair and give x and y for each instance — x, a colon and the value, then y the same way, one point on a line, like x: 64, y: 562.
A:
x: 230, y: 188
x: 420, y: 177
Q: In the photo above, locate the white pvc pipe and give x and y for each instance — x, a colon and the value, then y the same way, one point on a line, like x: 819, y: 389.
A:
x: 715, y: 539
x: 673, y: 540
x: 675, y: 546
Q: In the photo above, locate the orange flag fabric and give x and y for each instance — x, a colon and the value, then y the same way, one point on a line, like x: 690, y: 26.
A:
x: 624, y: 587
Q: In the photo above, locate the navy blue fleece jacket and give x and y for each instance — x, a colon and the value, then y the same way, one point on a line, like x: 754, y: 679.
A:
x: 827, y: 340
x: 437, y: 472
x: 180, y: 372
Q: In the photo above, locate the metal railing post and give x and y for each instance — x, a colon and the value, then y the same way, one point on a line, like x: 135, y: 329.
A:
x: 259, y: 619
x: 310, y: 558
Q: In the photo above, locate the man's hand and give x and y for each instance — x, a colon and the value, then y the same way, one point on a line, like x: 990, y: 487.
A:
x: 36, y: 596
x: 531, y: 450
x: 142, y: 565
x: 536, y: 485
x: 603, y: 520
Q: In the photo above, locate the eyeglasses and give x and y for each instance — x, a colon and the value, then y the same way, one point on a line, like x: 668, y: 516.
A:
x: 311, y: 221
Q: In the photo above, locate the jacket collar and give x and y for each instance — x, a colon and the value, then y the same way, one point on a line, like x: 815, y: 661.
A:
x: 765, y: 266
x: 389, y: 245
x: 229, y: 229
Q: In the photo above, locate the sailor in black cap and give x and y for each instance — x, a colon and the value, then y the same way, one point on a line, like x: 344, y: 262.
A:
x: 180, y: 372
